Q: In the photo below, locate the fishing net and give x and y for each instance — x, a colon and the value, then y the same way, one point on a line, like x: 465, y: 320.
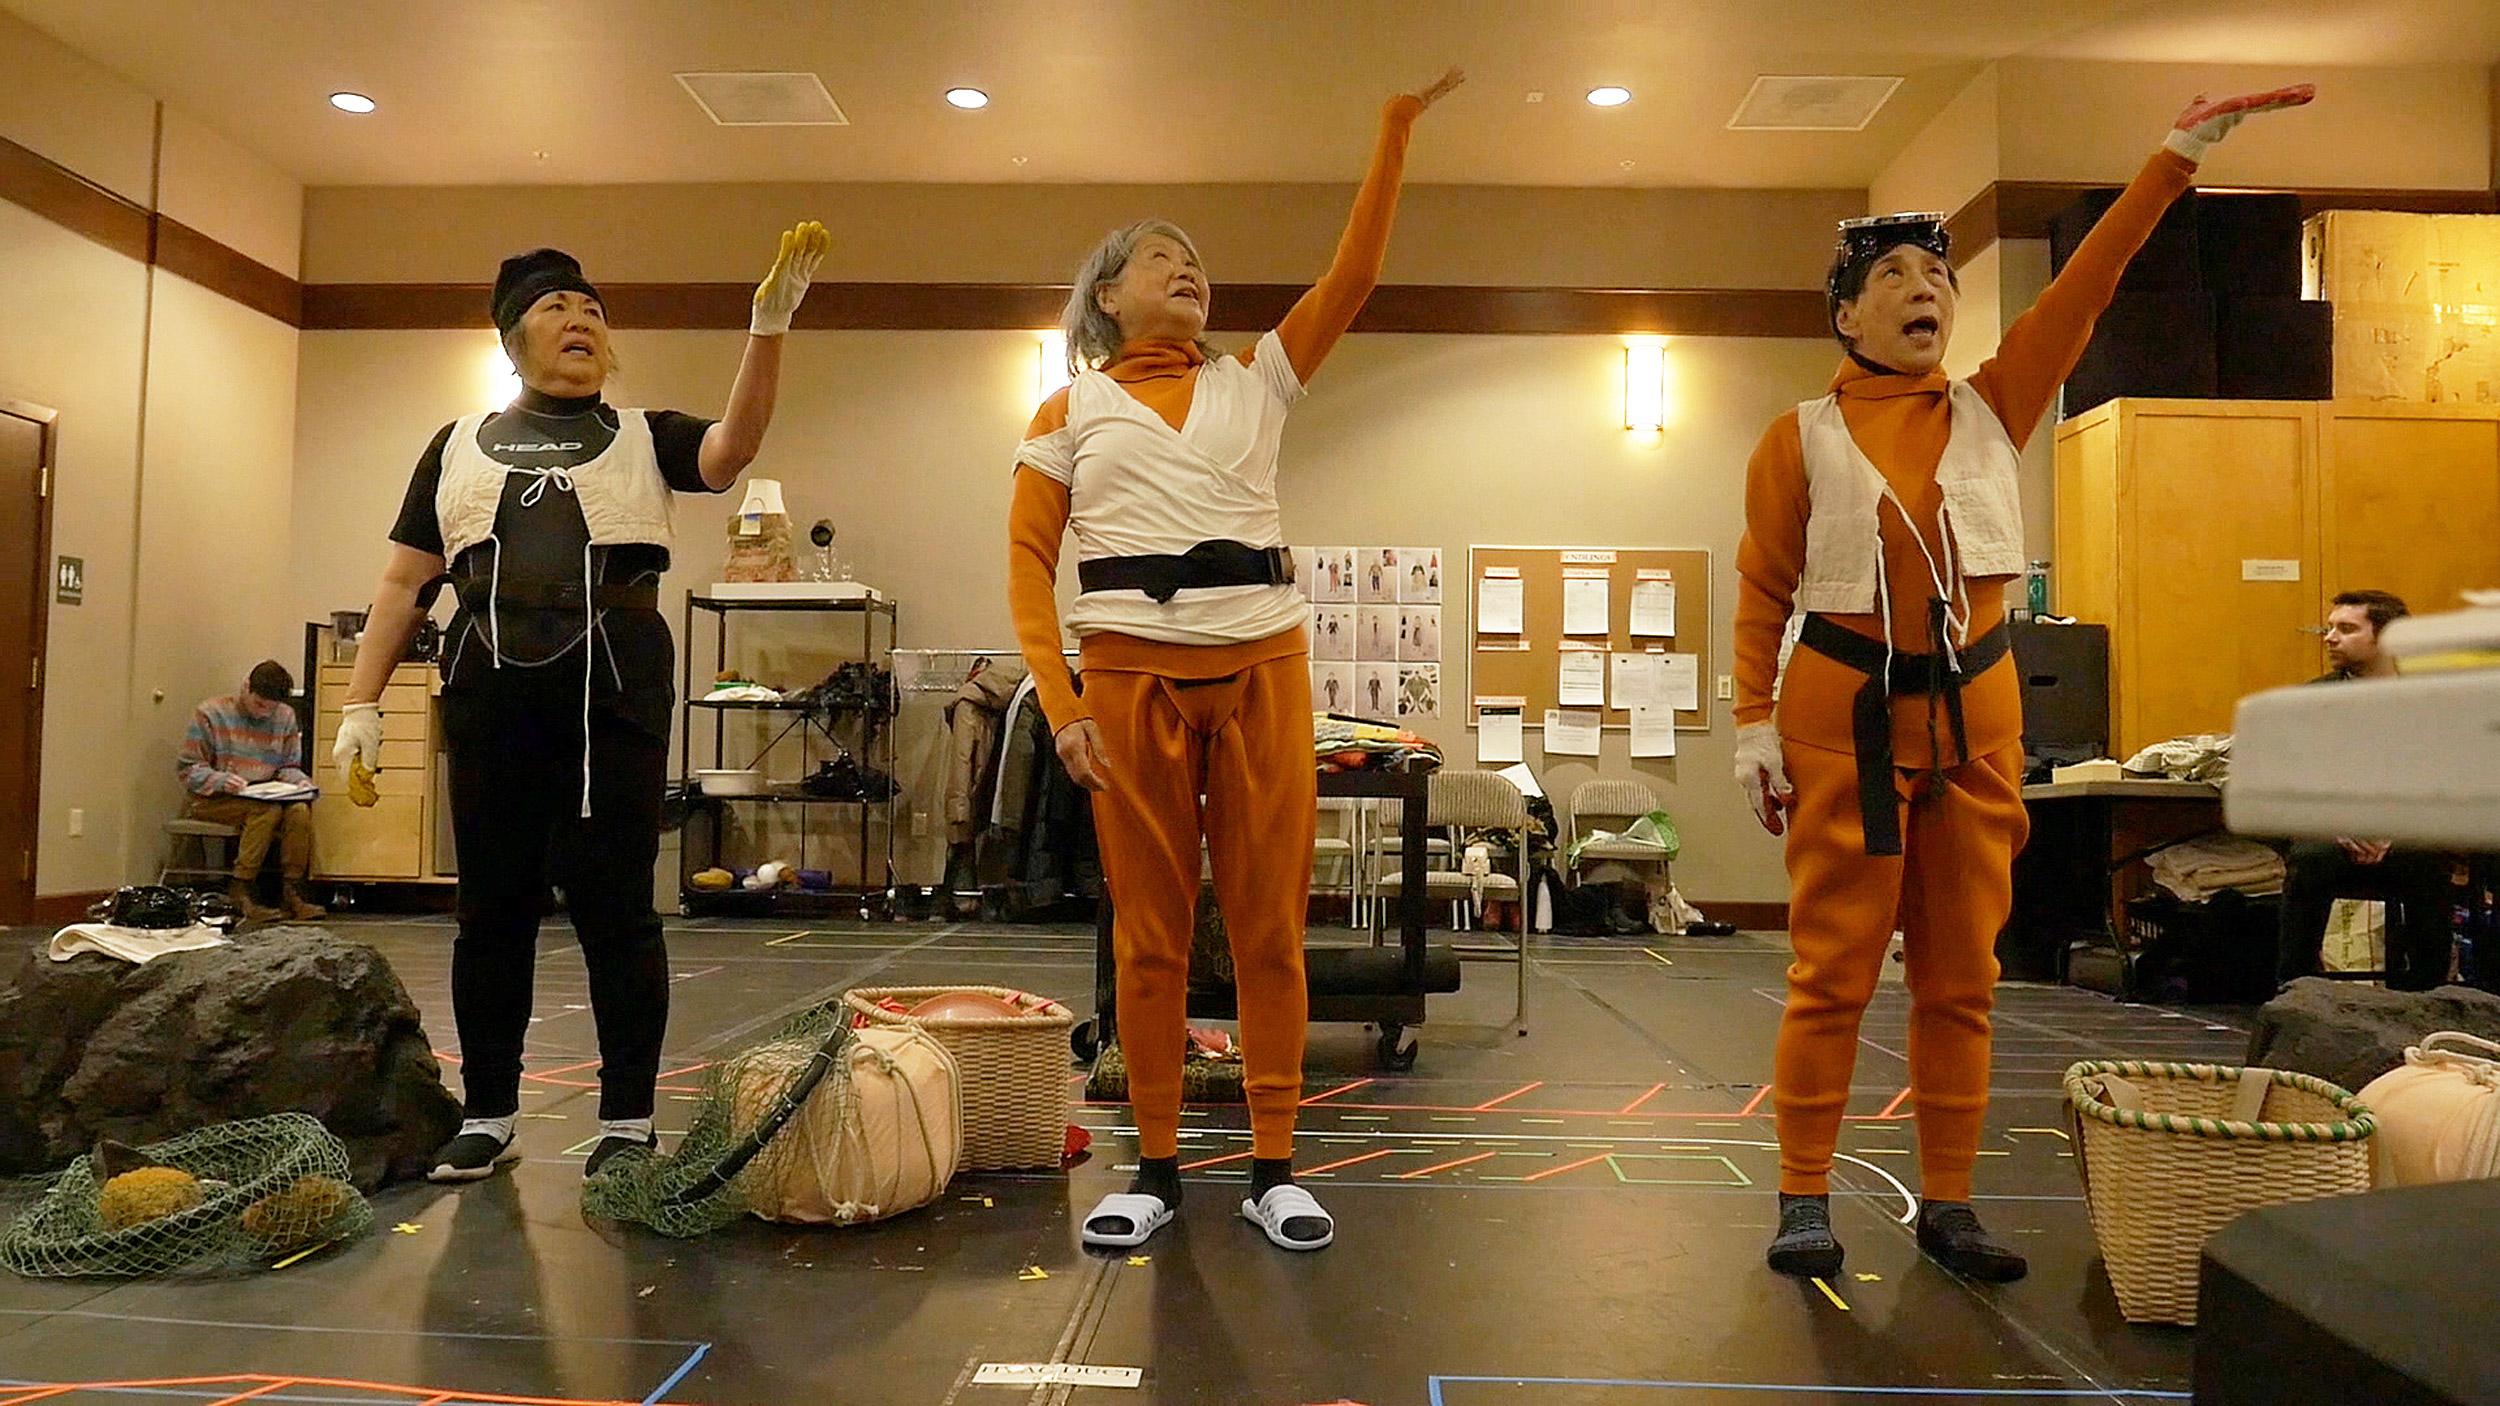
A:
x: 223, y: 1198
x: 815, y: 1123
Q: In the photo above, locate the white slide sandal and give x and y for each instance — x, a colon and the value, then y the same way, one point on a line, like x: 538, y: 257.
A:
x: 1281, y: 1204
x: 1145, y: 1215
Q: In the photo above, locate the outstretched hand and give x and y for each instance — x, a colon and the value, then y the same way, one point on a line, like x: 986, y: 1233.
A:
x: 1441, y: 87
x: 2206, y: 121
x: 794, y: 265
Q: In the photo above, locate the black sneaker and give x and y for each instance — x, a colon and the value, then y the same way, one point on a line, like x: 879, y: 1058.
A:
x: 470, y: 1157
x: 611, y: 1148
x: 1804, y: 1246
x: 1949, y: 1233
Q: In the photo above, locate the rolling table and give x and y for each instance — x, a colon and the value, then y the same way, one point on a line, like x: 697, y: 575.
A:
x: 2073, y: 880
x: 1383, y: 986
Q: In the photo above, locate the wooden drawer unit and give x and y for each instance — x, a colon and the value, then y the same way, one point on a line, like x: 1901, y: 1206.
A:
x: 384, y: 841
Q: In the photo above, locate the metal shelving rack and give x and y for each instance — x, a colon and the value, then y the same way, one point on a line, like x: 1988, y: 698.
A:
x: 872, y: 727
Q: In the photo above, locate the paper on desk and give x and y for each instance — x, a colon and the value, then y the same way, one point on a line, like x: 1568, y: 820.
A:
x: 1501, y: 605
x: 1571, y: 732
x: 1583, y: 677
x: 1499, y: 735
x: 1584, y: 602
x: 1653, y: 604
x: 1653, y: 732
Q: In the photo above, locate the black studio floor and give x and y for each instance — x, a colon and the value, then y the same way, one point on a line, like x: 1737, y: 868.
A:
x: 1572, y: 1218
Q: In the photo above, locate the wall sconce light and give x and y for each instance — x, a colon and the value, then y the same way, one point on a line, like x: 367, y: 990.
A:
x: 1051, y: 370
x: 1645, y: 385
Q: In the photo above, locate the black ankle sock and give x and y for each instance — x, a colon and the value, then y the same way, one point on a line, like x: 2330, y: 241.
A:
x: 1268, y: 1173
x: 1160, y: 1178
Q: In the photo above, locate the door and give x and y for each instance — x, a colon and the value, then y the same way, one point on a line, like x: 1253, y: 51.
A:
x: 2412, y: 499
x: 25, y: 594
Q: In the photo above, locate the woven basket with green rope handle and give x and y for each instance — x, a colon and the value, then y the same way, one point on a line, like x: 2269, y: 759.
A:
x: 2159, y: 1183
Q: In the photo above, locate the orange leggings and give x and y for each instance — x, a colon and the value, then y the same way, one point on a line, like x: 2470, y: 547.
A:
x: 1949, y: 893
x: 1244, y: 744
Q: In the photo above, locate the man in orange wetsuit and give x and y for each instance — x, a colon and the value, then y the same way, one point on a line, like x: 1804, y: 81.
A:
x: 1887, y: 514
x: 1196, y: 715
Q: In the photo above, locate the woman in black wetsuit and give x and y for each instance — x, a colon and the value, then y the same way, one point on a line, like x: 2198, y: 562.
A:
x: 551, y: 519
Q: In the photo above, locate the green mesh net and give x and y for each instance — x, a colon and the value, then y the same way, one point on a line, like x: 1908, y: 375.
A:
x: 736, y: 1143
x: 225, y: 1198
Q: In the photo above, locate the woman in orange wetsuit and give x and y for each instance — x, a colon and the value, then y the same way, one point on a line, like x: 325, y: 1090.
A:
x: 1161, y: 456
x: 1887, y: 514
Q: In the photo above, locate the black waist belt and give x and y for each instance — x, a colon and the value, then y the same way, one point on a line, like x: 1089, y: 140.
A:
x: 1870, y: 713
x: 1207, y: 565
x: 477, y: 591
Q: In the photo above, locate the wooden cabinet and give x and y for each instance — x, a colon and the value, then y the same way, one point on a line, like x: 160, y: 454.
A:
x: 391, y: 841
x: 2209, y: 536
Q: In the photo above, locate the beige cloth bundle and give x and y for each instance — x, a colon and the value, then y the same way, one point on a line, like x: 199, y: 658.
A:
x: 2438, y: 1115
x: 881, y: 1135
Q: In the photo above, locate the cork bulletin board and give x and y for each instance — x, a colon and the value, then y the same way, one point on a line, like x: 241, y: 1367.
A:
x: 1527, y: 664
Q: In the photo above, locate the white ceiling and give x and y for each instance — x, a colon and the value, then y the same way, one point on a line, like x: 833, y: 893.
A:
x: 1144, y: 91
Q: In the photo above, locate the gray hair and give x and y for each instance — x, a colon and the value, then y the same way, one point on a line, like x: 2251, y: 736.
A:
x: 1093, y: 336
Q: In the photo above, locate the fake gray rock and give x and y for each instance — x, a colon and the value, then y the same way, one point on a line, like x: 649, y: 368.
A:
x: 2348, y: 1034
x: 287, y: 1019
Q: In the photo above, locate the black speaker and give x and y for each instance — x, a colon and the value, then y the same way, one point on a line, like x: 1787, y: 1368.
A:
x: 2274, y: 348
x: 2147, y: 344
x: 2351, y: 1299
x: 2168, y: 262
x: 2065, y: 677
x: 2249, y: 245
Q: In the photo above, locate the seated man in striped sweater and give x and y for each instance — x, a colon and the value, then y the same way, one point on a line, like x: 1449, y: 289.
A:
x: 236, y: 744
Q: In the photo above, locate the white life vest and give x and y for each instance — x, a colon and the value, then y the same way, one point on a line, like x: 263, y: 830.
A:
x: 623, y: 496
x: 1983, y: 512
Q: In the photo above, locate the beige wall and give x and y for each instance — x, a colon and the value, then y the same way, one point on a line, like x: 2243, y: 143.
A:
x: 1951, y: 159
x: 904, y: 440
x: 72, y: 338
x: 176, y: 437
x: 1036, y: 234
x: 2401, y: 128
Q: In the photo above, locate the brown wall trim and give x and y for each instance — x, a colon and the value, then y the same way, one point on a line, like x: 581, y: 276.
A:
x: 73, y: 202
x: 1749, y: 917
x: 62, y: 909
x: 183, y: 250
x: 953, y: 307
x: 47, y: 188
x: 2023, y: 209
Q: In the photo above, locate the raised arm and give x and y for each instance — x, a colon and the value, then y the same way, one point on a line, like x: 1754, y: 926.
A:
x: 2043, y: 345
x: 732, y: 443
x: 1323, y: 314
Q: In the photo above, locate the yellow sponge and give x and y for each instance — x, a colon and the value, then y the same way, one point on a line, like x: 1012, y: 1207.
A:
x: 150, y: 1193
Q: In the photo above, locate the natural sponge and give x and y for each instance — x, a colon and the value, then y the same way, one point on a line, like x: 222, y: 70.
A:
x: 150, y: 1193
x: 298, y: 1213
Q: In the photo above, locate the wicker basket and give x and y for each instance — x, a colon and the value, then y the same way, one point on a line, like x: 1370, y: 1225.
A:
x: 1015, y: 1071
x: 2171, y: 1153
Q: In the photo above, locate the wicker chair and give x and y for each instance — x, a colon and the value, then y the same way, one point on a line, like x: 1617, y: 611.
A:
x: 1476, y: 800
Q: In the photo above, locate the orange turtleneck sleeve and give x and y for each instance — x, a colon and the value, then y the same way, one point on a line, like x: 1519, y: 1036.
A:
x: 1037, y: 524
x: 1903, y: 424
x: 1322, y: 315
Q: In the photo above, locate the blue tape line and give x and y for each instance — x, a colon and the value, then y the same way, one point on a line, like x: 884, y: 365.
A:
x: 677, y: 1376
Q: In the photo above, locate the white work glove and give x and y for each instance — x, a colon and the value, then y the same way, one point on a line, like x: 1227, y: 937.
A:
x: 779, y: 295
x: 359, y: 740
x: 2204, y: 123
x: 1763, y: 772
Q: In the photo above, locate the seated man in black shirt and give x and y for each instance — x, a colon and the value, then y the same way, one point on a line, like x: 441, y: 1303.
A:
x: 2413, y: 883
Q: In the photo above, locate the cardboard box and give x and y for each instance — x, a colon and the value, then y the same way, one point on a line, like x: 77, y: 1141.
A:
x: 2417, y: 303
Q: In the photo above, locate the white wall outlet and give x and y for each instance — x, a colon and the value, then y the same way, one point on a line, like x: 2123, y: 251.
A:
x: 77, y: 822
x: 920, y: 825
x: 1727, y: 687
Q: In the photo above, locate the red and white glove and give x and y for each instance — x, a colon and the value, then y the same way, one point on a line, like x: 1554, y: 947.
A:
x: 2204, y: 123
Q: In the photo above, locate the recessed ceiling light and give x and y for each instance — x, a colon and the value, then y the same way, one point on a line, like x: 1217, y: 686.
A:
x: 969, y: 99
x: 1609, y: 97
x: 351, y: 102
x: 1536, y: 96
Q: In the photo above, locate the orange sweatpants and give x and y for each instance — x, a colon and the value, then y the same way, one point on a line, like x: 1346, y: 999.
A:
x: 1949, y: 893
x: 1243, y: 744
